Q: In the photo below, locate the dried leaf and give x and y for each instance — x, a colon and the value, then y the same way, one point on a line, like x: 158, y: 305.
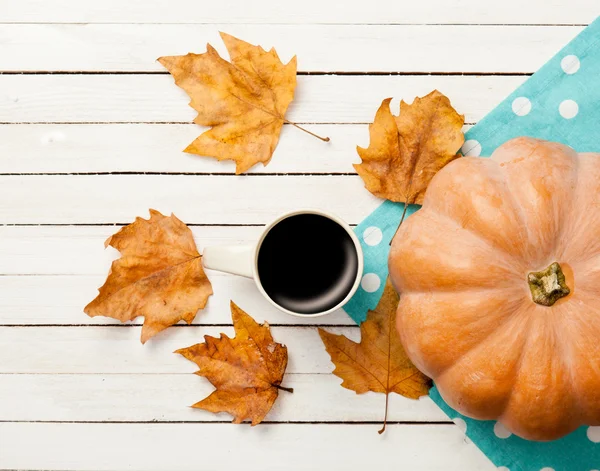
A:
x: 406, y: 151
x: 159, y: 275
x: 378, y: 363
x: 247, y: 370
x: 244, y: 100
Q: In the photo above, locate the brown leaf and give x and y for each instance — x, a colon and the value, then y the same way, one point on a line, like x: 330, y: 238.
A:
x: 378, y: 363
x: 406, y: 151
x: 246, y: 370
x: 244, y: 100
x: 159, y: 275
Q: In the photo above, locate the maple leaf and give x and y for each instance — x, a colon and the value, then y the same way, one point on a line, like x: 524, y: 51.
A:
x: 244, y: 100
x: 247, y: 370
x: 406, y: 151
x: 159, y: 275
x: 378, y: 363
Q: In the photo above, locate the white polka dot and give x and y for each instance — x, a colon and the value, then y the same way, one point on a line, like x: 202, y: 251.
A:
x: 460, y: 423
x: 370, y: 282
x: 568, y: 109
x: 570, y: 64
x: 500, y: 431
x: 547, y: 468
x: 521, y: 106
x: 372, y: 236
x: 471, y: 148
x: 593, y: 434
x: 503, y: 468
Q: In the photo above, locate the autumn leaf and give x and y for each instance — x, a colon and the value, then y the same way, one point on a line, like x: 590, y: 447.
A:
x: 247, y: 370
x: 159, y: 275
x: 244, y: 100
x: 406, y: 151
x: 378, y: 363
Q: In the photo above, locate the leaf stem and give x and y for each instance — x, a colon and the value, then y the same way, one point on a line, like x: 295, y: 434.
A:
x: 324, y: 139
x: 290, y: 390
x: 387, y: 399
x: 401, y: 219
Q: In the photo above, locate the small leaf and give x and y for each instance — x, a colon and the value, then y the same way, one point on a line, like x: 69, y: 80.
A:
x: 378, y: 363
x: 406, y: 151
x: 244, y: 100
x: 159, y: 275
x: 247, y: 370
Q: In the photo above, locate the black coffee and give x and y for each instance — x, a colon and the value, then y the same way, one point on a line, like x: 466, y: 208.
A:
x: 307, y: 263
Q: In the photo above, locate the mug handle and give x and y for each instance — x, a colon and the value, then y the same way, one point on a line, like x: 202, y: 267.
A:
x: 234, y: 259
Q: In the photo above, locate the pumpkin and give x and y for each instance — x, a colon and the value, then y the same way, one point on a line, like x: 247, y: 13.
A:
x: 499, y: 282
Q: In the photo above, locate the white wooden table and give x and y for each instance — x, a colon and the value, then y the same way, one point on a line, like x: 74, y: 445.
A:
x: 91, y: 136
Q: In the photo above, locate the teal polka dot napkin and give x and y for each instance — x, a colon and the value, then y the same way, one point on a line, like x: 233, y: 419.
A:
x: 560, y: 102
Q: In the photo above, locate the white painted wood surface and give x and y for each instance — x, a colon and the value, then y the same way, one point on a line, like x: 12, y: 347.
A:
x: 156, y: 148
x: 155, y: 99
x: 146, y: 397
x: 49, y: 148
x: 332, y: 48
x: 191, y: 447
x: 531, y: 12
x: 204, y: 199
x: 91, y: 137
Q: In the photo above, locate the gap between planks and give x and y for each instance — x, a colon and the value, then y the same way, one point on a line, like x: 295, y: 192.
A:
x: 120, y: 224
x: 265, y: 422
x: 199, y: 23
x: 300, y: 73
x: 206, y: 174
x: 187, y: 326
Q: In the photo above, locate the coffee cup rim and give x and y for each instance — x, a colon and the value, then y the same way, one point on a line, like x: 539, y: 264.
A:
x: 340, y: 222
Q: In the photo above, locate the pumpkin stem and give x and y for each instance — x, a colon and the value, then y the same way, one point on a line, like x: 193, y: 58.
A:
x: 548, y: 286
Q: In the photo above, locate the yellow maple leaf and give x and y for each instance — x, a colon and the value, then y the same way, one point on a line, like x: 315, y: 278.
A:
x: 244, y: 101
x: 406, y: 151
x: 247, y: 370
x: 159, y: 275
x: 378, y: 362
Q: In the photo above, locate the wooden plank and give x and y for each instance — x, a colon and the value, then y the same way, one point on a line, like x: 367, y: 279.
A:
x: 106, y: 349
x: 68, y: 199
x: 79, y: 250
x: 60, y: 299
x: 166, y: 398
x: 307, y: 11
x: 181, y: 447
x: 72, y: 263
x: 50, y: 148
x: 155, y: 98
x: 89, y: 148
x: 422, y: 48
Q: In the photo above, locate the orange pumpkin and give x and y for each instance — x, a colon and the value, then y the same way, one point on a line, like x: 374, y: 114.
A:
x: 499, y: 282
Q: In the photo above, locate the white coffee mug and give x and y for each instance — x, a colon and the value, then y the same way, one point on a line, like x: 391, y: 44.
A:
x: 243, y: 260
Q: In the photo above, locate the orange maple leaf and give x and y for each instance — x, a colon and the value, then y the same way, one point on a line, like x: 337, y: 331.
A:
x: 378, y: 363
x: 159, y: 275
x: 244, y: 100
x: 406, y: 151
x: 247, y: 370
